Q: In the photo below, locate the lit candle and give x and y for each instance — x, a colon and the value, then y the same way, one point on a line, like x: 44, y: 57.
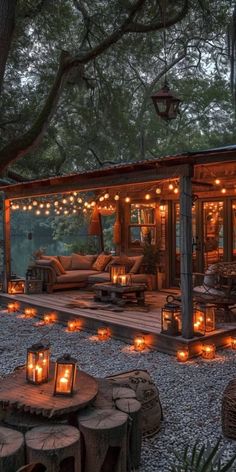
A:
x: 208, y: 351
x: 11, y: 307
x: 28, y: 312
x: 182, y: 355
x: 39, y: 371
x: 233, y: 343
x: 123, y: 279
x: 63, y: 384
x: 139, y: 343
x: 103, y: 333
x: 71, y: 326
x: 115, y: 277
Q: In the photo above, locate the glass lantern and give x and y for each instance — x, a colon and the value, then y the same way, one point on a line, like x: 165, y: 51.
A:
x: 116, y: 269
x: 124, y: 280
x: 208, y: 351
x: 37, y: 366
x: 171, y: 321
x: 204, y: 318
x: 139, y: 343
x: 16, y: 286
x: 103, y: 333
x: 65, y: 375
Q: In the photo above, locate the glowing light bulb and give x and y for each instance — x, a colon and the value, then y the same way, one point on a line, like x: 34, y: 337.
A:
x: 41, y: 205
x: 101, y: 199
x: 79, y: 200
x: 223, y: 190
x: 34, y: 203
x: 106, y: 196
x: 116, y: 197
x: 47, y: 212
x: 64, y: 201
x: 217, y: 181
x: 71, y: 198
x: 170, y: 186
x: 158, y: 190
x: 48, y: 205
x: 24, y: 208
x: 176, y: 190
x: 38, y: 212
x: 30, y: 207
x: 93, y: 203
x: 147, y: 196
x: 127, y: 199
x: 56, y: 203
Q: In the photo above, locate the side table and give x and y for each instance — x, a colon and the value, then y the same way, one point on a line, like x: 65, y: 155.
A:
x: 117, y: 294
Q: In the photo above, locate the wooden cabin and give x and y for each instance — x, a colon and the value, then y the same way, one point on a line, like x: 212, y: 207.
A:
x: 184, y: 205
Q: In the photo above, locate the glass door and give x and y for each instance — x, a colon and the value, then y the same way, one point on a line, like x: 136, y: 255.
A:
x: 213, y: 232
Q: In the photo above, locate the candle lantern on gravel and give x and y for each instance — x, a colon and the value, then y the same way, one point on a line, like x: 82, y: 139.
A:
x: 116, y: 269
x: 139, y: 343
x: 204, y: 318
x: 103, y: 333
x: 37, y: 366
x: 182, y: 355
x: 233, y: 342
x: 13, y: 307
x: 16, y: 286
x: 65, y: 375
x: 171, y: 321
x: 208, y: 351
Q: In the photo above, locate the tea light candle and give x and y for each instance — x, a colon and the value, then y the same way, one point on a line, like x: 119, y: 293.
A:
x: 114, y: 279
x: 39, y: 371
x: 71, y: 326
x: 11, y: 307
x: 103, y: 333
x: 63, y: 384
x: 208, y: 351
x: 139, y: 343
x: 182, y: 355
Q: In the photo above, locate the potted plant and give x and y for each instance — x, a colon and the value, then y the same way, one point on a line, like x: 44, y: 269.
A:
x: 151, y: 260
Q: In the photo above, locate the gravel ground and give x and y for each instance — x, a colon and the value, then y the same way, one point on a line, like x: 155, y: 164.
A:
x: 190, y: 393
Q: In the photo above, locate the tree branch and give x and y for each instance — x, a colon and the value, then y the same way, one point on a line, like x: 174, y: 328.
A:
x: 28, y: 141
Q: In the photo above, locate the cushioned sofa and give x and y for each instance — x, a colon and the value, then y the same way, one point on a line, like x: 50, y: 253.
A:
x: 61, y: 272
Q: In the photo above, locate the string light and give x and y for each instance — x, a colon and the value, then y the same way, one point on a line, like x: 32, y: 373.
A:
x: 217, y: 181
x: 127, y: 199
x: 223, y: 190
x: 64, y: 201
x: 41, y: 205
x: 116, y: 197
x: 158, y: 190
x: 106, y: 196
x: 34, y: 203
x: 79, y: 200
x: 176, y: 190
x: 170, y: 186
x: 48, y: 205
x: 147, y: 196
x: 101, y: 199
x: 38, y: 212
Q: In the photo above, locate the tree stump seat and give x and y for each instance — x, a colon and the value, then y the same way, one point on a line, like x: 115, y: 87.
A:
x: 11, y: 449
x: 104, y: 435
x: 56, y: 447
x: 228, y: 411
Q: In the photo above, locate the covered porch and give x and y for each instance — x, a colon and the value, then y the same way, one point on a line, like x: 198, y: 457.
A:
x: 182, y: 205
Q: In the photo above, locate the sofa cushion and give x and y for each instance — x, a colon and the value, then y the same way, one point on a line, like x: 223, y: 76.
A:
x: 101, y: 262
x: 99, y: 277
x: 55, y: 263
x: 81, y: 262
x: 137, y: 264
x: 65, y: 262
x: 75, y: 276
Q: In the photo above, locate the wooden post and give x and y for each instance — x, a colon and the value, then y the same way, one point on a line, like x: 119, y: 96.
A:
x: 101, y: 240
x: 11, y: 449
x: 186, y: 254
x: 6, y: 242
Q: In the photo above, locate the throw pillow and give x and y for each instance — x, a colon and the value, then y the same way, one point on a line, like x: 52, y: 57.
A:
x: 137, y: 264
x: 65, y: 262
x: 101, y: 262
x: 56, y: 264
x: 81, y: 262
x: 51, y: 263
x: 147, y: 394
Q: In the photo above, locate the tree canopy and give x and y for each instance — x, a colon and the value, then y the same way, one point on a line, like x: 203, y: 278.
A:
x: 76, y: 78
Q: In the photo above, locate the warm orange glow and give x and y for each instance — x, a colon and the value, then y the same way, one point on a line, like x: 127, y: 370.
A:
x: 16, y: 286
x: 182, y: 355
x: 49, y: 318
x: 73, y: 325
x: 30, y: 312
x: 147, y: 196
x: 127, y: 199
x: 13, y: 307
x: 122, y: 280
x: 233, y: 343
x: 217, y: 181
x: 208, y: 351
x: 139, y: 343
x: 103, y: 333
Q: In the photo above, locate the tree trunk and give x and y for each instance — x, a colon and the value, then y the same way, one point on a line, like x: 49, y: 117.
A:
x: 7, y: 23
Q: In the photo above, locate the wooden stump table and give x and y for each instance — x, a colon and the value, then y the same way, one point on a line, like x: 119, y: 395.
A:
x: 17, y: 394
x: 117, y: 294
x: 11, y: 450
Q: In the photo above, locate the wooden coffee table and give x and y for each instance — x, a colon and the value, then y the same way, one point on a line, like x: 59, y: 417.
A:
x: 117, y: 294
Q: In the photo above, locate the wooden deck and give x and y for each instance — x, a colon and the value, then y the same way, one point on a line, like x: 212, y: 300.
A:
x: 124, y: 324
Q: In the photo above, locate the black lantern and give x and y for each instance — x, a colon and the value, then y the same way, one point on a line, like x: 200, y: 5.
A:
x: 65, y: 375
x: 166, y: 103
x: 37, y: 366
x: 171, y: 322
